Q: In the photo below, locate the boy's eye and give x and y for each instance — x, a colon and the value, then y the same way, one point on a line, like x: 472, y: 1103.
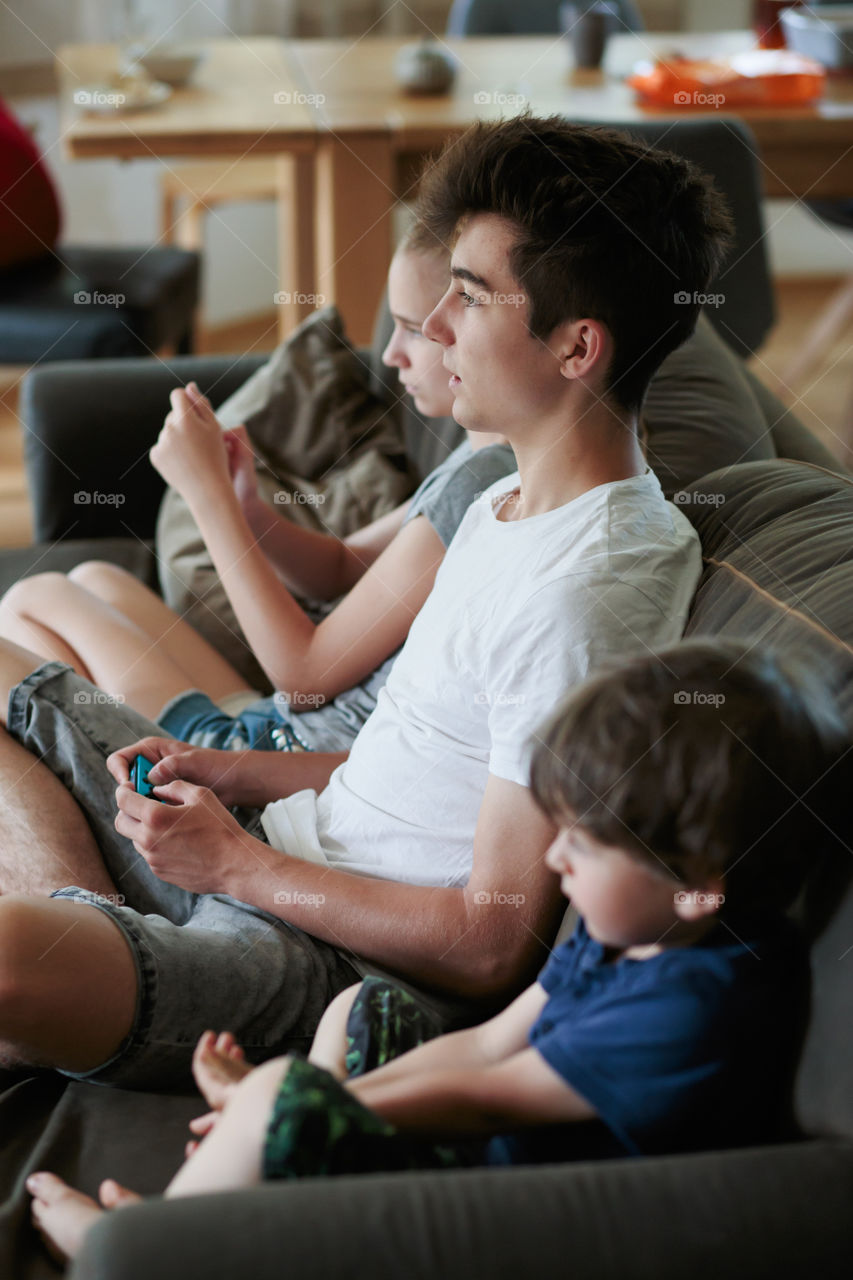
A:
x: 467, y: 299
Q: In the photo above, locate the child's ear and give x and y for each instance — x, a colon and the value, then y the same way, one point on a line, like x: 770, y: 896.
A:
x: 700, y: 900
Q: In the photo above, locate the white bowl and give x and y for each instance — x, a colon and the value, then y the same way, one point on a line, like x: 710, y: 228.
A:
x: 173, y: 66
x: 823, y: 32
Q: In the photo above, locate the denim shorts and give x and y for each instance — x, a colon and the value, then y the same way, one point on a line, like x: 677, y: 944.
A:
x: 202, y: 961
x: 194, y: 717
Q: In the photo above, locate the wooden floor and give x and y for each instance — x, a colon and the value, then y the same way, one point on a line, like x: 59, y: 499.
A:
x: 825, y: 403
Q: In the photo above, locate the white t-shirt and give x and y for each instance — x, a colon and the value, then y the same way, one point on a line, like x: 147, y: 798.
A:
x: 520, y: 611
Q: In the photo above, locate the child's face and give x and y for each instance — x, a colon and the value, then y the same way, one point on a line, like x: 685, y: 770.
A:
x: 623, y: 903
x: 416, y: 281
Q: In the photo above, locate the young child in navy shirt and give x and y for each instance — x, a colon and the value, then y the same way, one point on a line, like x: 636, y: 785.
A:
x: 690, y: 792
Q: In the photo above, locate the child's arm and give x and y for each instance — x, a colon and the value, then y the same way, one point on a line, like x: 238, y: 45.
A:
x: 519, y: 1092
x: 309, y: 563
x: 298, y: 656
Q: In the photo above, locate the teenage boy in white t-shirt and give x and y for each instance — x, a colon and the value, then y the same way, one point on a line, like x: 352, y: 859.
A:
x: 422, y: 853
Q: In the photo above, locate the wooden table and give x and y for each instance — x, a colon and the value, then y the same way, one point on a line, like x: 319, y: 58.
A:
x: 370, y: 132
x: 244, y: 100
x: 347, y: 135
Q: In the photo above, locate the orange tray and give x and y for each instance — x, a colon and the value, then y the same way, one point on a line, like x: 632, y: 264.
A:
x: 757, y: 78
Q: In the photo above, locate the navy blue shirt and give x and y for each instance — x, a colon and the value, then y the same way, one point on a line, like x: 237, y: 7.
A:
x: 691, y: 1049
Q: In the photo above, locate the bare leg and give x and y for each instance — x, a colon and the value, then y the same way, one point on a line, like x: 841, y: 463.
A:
x: 329, y: 1048
x: 112, y: 650
x: 45, y: 842
x: 68, y: 984
x: 230, y: 1157
x: 231, y: 1154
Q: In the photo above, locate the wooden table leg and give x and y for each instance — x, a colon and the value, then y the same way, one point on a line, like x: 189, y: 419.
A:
x: 297, y: 294
x: 355, y: 198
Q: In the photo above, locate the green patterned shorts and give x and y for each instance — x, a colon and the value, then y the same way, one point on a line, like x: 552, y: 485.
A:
x: 319, y: 1129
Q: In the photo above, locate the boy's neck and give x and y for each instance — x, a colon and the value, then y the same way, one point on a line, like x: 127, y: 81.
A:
x: 682, y: 934
x: 559, y: 463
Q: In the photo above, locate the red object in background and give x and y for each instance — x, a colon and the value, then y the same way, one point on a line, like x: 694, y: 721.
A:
x: 766, y: 24
x: 29, y: 210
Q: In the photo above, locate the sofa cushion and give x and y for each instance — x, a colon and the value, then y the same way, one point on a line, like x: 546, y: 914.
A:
x: 60, y: 557
x: 700, y: 413
x: 778, y: 545
x: 777, y: 539
x: 328, y: 451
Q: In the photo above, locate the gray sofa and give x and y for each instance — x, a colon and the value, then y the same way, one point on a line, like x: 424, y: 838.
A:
x: 775, y: 515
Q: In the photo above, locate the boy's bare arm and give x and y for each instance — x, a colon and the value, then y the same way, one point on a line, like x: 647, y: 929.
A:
x: 520, y: 1092
x: 248, y: 778
x: 484, y: 940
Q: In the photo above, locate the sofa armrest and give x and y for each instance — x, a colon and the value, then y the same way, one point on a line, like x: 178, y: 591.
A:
x: 88, y: 427
x: 762, y: 1213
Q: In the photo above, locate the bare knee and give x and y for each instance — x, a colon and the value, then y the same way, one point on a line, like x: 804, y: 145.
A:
x: 258, y: 1089
x: 31, y: 594
x: 19, y: 926
x: 98, y: 575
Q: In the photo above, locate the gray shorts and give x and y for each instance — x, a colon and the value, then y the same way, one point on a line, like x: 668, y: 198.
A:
x: 202, y: 961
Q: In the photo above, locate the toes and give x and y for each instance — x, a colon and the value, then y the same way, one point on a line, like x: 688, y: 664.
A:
x: 47, y: 1188
x: 113, y: 1195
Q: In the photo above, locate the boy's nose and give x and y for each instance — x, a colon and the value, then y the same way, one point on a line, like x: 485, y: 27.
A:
x: 436, y: 326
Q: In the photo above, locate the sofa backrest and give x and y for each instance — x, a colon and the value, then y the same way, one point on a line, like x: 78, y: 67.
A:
x: 777, y: 540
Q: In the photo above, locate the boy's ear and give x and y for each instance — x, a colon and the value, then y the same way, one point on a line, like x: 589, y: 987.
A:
x: 581, y: 346
x: 700, y: 900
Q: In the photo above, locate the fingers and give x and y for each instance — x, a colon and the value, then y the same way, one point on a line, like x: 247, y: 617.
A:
x: 118, y: 764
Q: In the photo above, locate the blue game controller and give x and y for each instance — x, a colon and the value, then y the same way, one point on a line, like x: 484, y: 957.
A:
x: 139, y: 772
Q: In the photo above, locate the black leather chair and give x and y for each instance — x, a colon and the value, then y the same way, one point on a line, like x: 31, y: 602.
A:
x: 84, y: 303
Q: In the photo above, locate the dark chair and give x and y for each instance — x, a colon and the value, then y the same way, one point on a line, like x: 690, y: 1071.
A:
x: 534, y: 18
x: 725, y: 148
x: 84, y: 303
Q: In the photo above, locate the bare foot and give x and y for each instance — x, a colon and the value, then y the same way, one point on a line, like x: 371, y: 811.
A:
x: 218, y: 1066
x: 61, y: 1214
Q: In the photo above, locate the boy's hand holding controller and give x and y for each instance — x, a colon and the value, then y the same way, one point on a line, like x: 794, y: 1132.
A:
x: 171, y: 760
x: 191, y: 840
